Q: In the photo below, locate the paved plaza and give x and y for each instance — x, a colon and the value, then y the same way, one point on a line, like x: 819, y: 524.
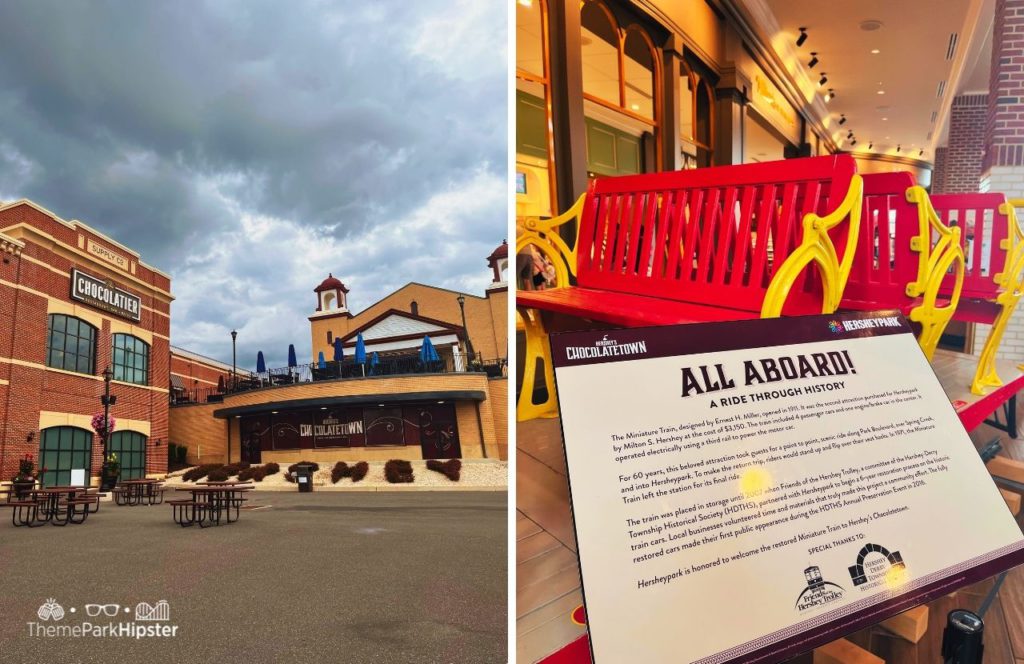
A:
x: 322, y: 577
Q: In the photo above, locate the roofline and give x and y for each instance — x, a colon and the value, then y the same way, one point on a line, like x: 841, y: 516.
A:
x: 75, y: 224
x: 178, y: 350
x: 352, y: 400
x: 445, y: 326
x: 417, y: 283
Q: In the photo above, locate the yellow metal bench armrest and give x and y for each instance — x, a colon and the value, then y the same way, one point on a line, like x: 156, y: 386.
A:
x: 543, y: 235
x: 1011, y: 277
x: 817, y: 247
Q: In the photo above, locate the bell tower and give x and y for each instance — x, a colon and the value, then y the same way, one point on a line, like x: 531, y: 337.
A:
x: 498, y: 262
x: 331, y: 296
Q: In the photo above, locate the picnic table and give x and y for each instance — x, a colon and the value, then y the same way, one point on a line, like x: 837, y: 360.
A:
x: 209, y: 502
x: 136, y: 492
x: 58, y: 505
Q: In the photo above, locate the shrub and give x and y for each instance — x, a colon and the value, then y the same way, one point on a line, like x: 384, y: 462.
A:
x: 291, y: 468
x: 218, y: 475
x: 271, y: 468
x: 358, y: 471
x: 397, y: 471
x: 449, y: 468
x: 259, y: 473
x: 339, y: 471
x: 231, y: 469
x: 199, y: 472
x: 245, y: 474
x: 289, y: 477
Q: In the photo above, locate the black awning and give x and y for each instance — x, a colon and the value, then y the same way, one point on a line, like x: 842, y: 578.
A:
x: 177, y: 383
x: 354, y: 400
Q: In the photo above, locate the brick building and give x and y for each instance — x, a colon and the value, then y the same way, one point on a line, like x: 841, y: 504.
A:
x: 393, y: 406
x: 193, y: 376
x: 74, y: 302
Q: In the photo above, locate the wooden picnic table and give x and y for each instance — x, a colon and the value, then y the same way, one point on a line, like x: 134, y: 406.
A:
x: 208, y: 503
x: 134, y: 492
x: 57, y: 505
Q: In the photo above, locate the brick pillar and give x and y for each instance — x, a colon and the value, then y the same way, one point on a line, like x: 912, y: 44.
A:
x: 939, y: 172
x: 966, y: 143
x: 1003, y: 161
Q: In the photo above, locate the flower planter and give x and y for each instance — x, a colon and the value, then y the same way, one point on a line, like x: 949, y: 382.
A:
x: 108, y: 479
x: 22, y: 487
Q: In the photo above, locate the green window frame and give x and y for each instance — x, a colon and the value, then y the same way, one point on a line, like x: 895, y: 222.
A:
x: 70, y: 344
x: 131, y: 359
x: 62, y: 449
x: 130, y: 448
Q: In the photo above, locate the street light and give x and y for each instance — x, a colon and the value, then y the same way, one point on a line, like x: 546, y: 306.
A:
x: 234, y: 359
x: 108, y: 400
x: 465, y: 330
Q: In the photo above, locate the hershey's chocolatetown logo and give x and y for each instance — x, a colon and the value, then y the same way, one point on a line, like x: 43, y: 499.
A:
x: 818, y: 592
x: 605, y: 347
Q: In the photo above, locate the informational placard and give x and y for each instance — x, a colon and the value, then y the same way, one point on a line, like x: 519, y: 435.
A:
x: 746, y: 491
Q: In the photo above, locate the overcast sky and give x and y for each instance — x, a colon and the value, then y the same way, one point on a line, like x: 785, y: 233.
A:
x: 248, y: 148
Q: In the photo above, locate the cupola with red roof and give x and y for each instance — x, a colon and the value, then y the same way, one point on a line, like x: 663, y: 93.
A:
x: 331, y: 295
x: 498, y: 261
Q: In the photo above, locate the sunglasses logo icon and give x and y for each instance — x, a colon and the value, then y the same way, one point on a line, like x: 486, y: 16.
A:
x: 109, y: 610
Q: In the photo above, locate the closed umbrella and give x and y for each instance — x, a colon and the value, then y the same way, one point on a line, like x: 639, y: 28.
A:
x: 339, y: 350
x: 261, y: 366
x: 292, y: 362
x: 361, y: 351
x: 374, y: 363
x: 320, y: 363
x: 428, y: 354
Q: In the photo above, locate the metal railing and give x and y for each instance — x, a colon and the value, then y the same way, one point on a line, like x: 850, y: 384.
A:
x: 347, y: 369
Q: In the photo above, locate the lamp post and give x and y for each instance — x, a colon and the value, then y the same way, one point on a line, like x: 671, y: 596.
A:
x: 234, y: 358
x: 465, y: 330
x: 107, y: 400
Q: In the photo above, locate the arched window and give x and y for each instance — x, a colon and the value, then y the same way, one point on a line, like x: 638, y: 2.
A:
x: 63, y: 450
x: 622, y: 93
x: 535, y: 160
x: 330, y: 337
x: 130, y: 448
x: 696, y: 118
x: 414, y: 308
x: 131, y: 359
x: 70, y: 344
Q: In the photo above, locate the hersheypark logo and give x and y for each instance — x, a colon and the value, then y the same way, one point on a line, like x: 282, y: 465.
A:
x: 110, y: 620
x: 605, y: 347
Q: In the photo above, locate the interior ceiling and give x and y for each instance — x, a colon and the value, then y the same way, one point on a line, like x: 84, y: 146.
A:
x: 912, y: 62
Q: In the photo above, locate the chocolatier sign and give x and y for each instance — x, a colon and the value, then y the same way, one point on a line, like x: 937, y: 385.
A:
x: 745, y: 491
x: 105, y: 295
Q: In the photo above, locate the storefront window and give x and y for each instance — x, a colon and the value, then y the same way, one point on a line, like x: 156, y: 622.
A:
x: 535, y: 175
x: 63, y: 450
x: 131, y: 359
x: 687, y: 93
x: 130, y: 448
x: 638, y: 65
x: 600, y: 53
x: 704, y: 124
x: 71, y: 344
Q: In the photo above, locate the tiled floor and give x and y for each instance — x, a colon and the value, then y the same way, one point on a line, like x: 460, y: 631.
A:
x: 548, y: 577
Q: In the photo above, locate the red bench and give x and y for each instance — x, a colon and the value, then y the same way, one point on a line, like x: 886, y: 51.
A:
x: 994, y: 250
x: 721, y: 243
x: 905, y: 255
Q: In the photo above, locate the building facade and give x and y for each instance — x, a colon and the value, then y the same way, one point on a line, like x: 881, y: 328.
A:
x: 395, y: 405
x: 73, y: 303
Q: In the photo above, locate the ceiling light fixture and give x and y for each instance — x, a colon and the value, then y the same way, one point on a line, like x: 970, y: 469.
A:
x: 802, y: 38
x: 823, y: 80
x: 830, y: 95
x: 881, y: 92
x: 850, y: 135
x: 853, y: 142
x: 870, y: 145
x: 814, y: 60
x: 898, y: 148
x: 875, y: 51
x: 842, y: 119
x: 921, y: 153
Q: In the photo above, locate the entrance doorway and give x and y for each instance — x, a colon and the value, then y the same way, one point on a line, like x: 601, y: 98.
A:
x: 439, y: 432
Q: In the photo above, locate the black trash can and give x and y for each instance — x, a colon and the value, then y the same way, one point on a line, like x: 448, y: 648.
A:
x: 304, y: 476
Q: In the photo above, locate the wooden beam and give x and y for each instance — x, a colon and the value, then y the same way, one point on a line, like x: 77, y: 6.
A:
x: 1012, y: 499
x: 910, y: 625
x: 1011, y: 469
x: 844, y: 652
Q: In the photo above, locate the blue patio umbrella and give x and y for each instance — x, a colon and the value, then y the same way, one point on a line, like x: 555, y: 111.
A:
x: 427, y: 351
x: 360, y: 349
x: 374, y: 362
x: 339, y: 350
x: 320, y: 363
x: 292, y: 362
x: 261, y: 364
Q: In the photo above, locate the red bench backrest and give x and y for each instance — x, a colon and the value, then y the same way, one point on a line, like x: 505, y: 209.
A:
x: 702, y: 235
x: 884, y: 263
x: 983, y: 230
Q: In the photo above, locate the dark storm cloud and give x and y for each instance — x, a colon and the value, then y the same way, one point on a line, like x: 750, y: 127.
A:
x: 249, y: 147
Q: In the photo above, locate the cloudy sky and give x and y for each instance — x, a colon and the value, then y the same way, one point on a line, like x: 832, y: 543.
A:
x: 248, y: 148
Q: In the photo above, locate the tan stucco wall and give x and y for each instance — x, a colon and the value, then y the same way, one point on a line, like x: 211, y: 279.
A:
x: 486, y: 317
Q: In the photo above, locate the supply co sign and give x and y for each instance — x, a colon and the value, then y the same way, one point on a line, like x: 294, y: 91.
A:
x: 105, y: 295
